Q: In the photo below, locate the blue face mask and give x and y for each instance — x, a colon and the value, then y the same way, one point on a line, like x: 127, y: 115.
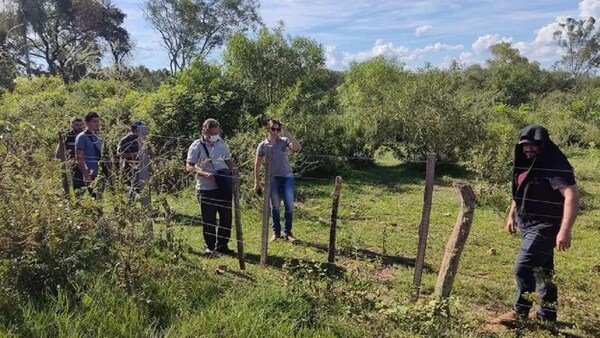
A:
x: 214, y: 138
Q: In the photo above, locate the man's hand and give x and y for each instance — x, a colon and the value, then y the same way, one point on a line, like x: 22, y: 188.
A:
x: 208, y: 176
x: 510, y: 226
x: 563, y: 240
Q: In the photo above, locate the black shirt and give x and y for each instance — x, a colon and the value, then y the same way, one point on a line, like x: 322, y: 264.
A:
x: 70, y: 144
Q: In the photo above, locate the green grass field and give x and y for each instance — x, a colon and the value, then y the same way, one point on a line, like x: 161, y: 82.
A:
x: 369, y: 294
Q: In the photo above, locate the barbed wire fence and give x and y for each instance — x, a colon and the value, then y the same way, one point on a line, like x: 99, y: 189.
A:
x: 186, y: 181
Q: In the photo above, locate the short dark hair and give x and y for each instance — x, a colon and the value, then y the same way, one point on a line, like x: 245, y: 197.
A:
x: 90, y: 116
x: 210, y: 123
x: 76, y: 119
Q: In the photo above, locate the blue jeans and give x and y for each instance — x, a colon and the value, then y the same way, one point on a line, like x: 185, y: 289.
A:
x: 534, y: 270
x: 282, y: 187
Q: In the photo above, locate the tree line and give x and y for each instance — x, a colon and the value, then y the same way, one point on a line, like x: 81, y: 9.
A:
x: 466, y: 113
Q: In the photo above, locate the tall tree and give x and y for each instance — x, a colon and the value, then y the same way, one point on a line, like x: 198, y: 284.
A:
x: 268, y: 66
x: 580, y: 42
x: 66, y: 36
x: 193, y: 28
x: 7, y: 64
x: 512, y: 76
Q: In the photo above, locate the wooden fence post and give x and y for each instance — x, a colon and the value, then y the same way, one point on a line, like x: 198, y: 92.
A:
x: 266, y: 207
x: 238, y: 220
x: 424, y: 226
x: 457, y: 241
x: 155, y: 182
x: 334, y: 212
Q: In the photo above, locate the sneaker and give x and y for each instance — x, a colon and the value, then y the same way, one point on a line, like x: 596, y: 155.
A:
x: 274, y: 237
x: 508, y: 318
x: 290, y: 238
x: 225, y: 250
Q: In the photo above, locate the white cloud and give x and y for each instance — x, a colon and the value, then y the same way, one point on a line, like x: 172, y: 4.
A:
x: 401, y: 53
x: 438, y: 46
x: 380, y: 49
x: 331, y: 56
x: 589, y: 8
x: 484, y: 42
x: 545, y: 35
x: 422, y: 29
x: 543, y: 48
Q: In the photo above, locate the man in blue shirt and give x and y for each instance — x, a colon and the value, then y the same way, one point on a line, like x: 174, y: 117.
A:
x: 88, y: 151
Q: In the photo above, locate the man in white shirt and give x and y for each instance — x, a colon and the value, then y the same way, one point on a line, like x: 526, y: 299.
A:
x: 210, y: 161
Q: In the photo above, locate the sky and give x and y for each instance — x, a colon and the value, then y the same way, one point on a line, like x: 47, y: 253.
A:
x: 415, y: 32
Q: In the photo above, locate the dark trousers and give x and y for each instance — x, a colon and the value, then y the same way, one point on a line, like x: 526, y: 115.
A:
x: 534, y: 270
x: 216, y: 236
x: 81, y: 188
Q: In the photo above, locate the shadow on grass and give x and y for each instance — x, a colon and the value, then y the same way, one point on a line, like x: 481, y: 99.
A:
x: 279, y: 262
x: 272, y: 260
x: 183, y: 219
x: 392, y: 178
x: 365, y: 254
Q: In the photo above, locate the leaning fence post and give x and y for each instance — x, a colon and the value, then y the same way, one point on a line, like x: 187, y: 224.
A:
x: 457, y: 241
x: 238, y: 220
x: 266, y: 207
x: 424, y: 226
x: 334, y: 213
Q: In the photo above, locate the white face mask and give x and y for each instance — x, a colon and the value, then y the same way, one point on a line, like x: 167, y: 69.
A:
x: 214, y: 138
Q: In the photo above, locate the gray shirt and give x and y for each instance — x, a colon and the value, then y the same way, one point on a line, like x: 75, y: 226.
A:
x: 211, y: 162
x: 280, y: 165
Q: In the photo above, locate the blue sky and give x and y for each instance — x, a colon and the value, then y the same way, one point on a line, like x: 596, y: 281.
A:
x: 414, y: 31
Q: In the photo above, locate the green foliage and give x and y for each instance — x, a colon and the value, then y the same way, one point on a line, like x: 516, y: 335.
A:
x: 45, y: 241
x: 513, y: 77
x: 571, y: 118
x: 491, y: 158
x: 412, y: 113
x: 268, y: 67
x: 368, y: 97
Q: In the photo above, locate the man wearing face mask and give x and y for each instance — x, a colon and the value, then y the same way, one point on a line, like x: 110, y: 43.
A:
x: 544, y: 207
x: 208, y: 157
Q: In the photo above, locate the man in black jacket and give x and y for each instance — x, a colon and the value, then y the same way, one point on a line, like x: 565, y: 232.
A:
x: 544, y: 207
x: 65, y: 150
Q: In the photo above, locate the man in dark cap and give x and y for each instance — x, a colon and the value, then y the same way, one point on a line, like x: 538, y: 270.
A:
x: 544, y: 207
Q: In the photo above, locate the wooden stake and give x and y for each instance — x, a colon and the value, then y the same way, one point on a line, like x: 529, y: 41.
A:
x: 238, y: 221
x: 334, y: 212
x: 266, y: 207
x: 457, y: 241
x: 424, y: 226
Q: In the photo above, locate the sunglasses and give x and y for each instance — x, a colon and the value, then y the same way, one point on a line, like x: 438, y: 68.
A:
x: 275, y: 129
